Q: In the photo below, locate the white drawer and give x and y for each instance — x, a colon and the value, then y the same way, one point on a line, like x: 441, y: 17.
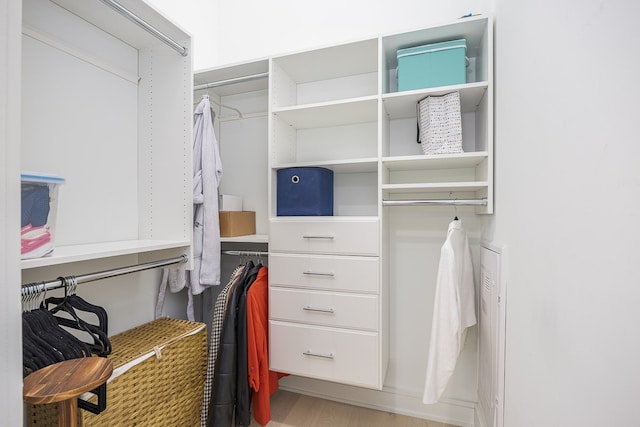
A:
x: 329, y: 272
x: 330, y: 236
x: 349, y: 357
x: 324, y: 308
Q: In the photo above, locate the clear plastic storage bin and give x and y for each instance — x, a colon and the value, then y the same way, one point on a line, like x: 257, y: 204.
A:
x: 39, y: 205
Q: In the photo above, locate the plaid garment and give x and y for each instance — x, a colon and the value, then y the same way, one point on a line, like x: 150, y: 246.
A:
x: 216, y: 330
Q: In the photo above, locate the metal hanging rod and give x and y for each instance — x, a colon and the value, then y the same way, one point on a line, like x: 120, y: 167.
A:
x: 146, y: 26
x: 83, y: 278
x: 456, y: 202
x: 245, y: 253
x: 234, y: 80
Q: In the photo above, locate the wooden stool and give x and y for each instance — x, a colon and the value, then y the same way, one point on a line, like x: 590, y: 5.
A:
x: 63, y: 382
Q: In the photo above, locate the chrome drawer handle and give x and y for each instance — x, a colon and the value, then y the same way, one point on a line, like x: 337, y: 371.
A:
x: 324, y: 356
x: 317, y: 237
x: 321, y: 310
x: 318, y: 273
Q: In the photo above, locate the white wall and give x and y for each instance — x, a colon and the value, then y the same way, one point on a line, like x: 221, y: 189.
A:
x: 228, y: 31
x: 200, y: 19
x: 568, y: 208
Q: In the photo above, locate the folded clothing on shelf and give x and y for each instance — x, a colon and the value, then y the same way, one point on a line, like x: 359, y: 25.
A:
x: 39, y: 203
x: 35, y: 242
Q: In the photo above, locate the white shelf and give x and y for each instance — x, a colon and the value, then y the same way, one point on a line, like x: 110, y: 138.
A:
x: 251, y: 238
x: 349, y: 59
x: 350, y: 111
x: 235, y: 71
x: 402, y: 105
x: 434, y: 187
x: 75, y: 253
x: 439, y: 161
x: 334, y: 218
x: 337, y: 166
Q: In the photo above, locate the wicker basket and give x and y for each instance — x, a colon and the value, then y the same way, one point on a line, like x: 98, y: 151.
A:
x: 164, y: 391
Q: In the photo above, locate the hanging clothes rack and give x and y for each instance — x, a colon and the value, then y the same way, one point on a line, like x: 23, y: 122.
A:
x: 235, y: 80
x: 146, y: 26
x: 245, y: 253
x: 90, y: 277
x: 456, y: 202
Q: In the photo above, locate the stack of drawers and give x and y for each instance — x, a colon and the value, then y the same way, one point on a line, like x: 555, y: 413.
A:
x: 324, y: 299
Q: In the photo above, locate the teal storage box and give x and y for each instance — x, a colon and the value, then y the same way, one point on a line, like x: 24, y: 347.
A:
x: 432, y: 65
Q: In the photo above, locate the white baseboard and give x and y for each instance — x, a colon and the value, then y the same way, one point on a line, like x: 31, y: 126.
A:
x: 450, y: 411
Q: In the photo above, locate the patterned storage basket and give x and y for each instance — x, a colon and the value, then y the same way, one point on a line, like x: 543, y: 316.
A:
x: 440, y: 124
x: 158, y: 379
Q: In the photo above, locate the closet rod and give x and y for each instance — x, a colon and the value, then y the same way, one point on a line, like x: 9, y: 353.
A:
x: 245, y: 253
x: 90, y: 277
x: 234, y: 80
x: 146, y: 26
x: 457, y: 202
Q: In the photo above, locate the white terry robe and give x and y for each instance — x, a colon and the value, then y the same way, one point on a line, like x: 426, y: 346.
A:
x: 453, y: 312
x: 207, y: 172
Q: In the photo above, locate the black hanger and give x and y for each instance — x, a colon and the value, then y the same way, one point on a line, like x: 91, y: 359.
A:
x: 72, y: 299
x: 60, y: 339
x: 44, y: 341
x: 100, y: 343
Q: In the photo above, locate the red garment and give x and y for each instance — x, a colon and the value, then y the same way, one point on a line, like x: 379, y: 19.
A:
x: 263, y: 381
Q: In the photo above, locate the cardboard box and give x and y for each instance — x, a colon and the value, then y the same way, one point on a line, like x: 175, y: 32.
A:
x: 227, y: 202
x: 237, y: 223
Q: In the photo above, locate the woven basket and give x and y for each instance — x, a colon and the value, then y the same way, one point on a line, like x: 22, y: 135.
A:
x: 440, y: 124
x: 164, y: 391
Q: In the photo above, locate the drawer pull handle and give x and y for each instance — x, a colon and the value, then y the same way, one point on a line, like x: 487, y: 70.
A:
x: 321, y: 310
x: 317, y: 237
x: 318, y: 273
x: 324, y: 356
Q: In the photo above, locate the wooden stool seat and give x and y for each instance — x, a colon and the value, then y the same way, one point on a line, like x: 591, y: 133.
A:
x: 63, y: 382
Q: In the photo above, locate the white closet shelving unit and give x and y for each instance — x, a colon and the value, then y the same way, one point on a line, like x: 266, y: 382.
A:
x: 337, y: 107
x: 107, y: 106
x: 97, y: 100
x: 239, y: 94
x: 406, y: 172
x: 326, y: 297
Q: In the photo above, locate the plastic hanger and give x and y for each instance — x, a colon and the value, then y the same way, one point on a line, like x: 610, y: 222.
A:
x: 219, y: 104
x: 100, y: 341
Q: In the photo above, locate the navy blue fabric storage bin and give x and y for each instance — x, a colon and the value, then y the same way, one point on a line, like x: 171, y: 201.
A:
x: 305, y: 192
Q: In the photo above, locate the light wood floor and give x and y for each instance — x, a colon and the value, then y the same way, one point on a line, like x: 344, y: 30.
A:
x: 296, y: 410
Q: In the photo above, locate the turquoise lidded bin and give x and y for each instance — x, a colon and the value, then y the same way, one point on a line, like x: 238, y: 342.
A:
x: 432, y: 65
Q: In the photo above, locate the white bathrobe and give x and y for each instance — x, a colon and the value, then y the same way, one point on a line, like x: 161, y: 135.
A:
x: 453, y: 312
x: 207, y: 171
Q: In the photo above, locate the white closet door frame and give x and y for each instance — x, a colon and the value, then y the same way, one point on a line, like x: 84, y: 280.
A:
x: 10, y: 320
